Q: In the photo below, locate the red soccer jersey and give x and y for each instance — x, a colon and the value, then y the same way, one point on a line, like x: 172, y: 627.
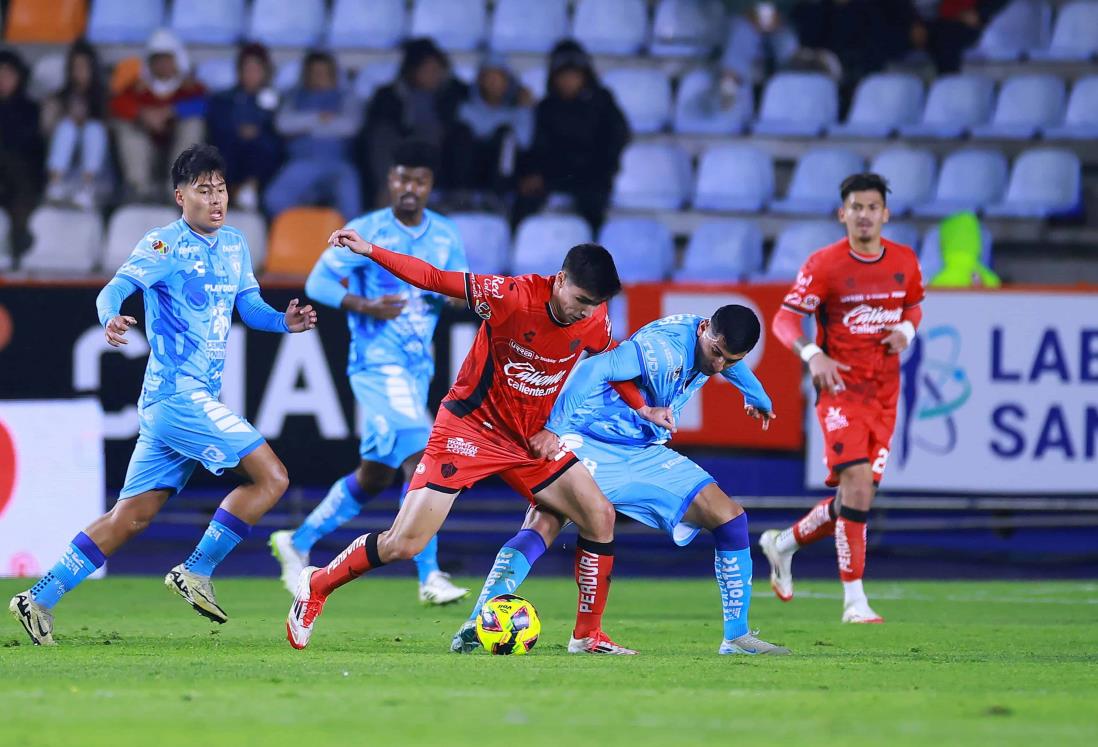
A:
x: 856, y: 300
x: 521, y: 355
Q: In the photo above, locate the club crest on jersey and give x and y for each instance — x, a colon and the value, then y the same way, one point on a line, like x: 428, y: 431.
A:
x: 899, y: 278
x: 835, y: 420
x: 573, y: 345
x: 448, y: 470
x: 483, y: 310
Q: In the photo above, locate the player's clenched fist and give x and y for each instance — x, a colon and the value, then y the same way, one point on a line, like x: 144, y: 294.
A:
x: 825, y: 373
x: 116, y: 329
x: 544, y: 444
x: 349, y: 238
x: 300, y: 318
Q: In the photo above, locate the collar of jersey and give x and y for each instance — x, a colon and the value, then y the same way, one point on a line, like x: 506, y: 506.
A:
x: 867, y: 260
x: 414, y: 231
x: 209, y: 241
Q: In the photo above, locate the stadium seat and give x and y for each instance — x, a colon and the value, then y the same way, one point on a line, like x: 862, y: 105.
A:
x: 216, y: 73
x: 1075, y: 35
x: 1081, y: 120
x: 535, y: 79
x: 816, y: 179
x: 611, y: 26
x: 541, y: 242
x: 795, y: 243
x: 72, y: 251
x: 969, y: 179
x: 37, y: 22
x: 374, y: 75
x: 47, y: 75
x: 734, y: 177
x: 379, y: 24
x: 686, y: 28
x: 930, y: 255
x: 254, y: 227
x: 697, y: 107
x: 644, y: 95
x: 1026, y: 103
x: 910, y: 175
x: 1013, y: 32
x: 955, y: 104
x: 457, y: 25
x: 126, y: 227
x: 653, y: 176
x: 1044, y: 182
x: 643, y: 248
x: 208, y: 22
x: 296, y: 240
x: 722, y: 251
x: 532, y: 26
x: 882, y: 103
x: 124, y: 73
x: 124, y: 21
x: 277, y: 23
x: 797, y: 104
x: 902, y: 233
x: 487, y: 240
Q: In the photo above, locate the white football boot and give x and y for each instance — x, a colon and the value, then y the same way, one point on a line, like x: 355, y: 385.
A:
x: 198, y: 591
x: 781, y: 564
x: 859, y: 611
x: 750, y: 645
x: 439, y: 589
x: 599, y: 643
x: 289, y: 557
x: 35, y: 619
x: 465, y: 640
x: 304, y: 611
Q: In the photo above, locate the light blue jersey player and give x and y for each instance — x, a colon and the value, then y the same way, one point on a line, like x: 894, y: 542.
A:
x: 390, y: 363
x: 192, y: 273
x: 670, y: 360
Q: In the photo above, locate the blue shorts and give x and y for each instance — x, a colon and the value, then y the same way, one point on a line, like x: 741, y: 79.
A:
x: 393, y: 406
x: 180, y: 431
x: 652, y: 484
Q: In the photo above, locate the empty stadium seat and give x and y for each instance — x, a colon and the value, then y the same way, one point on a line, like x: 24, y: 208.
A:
x: 955, y: 104
x: 1017, y: 29
x: 797, y: 104
x: 734, y: 177
x: 528, y: 25
x: 374, y: 75
x: 535, y: 79
x: 457, y: 25
x: 611, y: 26
x: 882, y: 103
x: 816, y: 180
x: 541, y: 242
x: 686, y: 28
x: 72, y: 251
x: 795, y: 243
x: 969, y: 179
x: 379, y: 24
x: 1026, y: 103
x: 644, y: 95
x: 37, y: 22
x: 126, y: 227
x: 487, y: 240
x: 902, y: 233
x: 277, y: 23
x: 643, y: 249
x: 1043, y: 182
x: 216, y: 73
x: 124, y: 21
x: 208, y: 21
x: 47, y: 75
x: 653, y: 176
x: 930, y: 255
x: 698, y: 107
x: 910, y: 175
x: 296, y: 240
x: 722, y: 251
x: 254, y: 227
x: 1075, y: 35
x: 1081, y: 120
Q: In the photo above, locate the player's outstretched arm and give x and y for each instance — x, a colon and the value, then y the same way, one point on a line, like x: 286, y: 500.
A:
x: 825, y: 370
x: 108, y: 305
x: 409, y: 269
x: 757, y: 402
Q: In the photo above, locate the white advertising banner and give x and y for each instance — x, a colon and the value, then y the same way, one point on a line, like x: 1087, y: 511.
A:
x: 1000, y: 395
x: 51, y: 479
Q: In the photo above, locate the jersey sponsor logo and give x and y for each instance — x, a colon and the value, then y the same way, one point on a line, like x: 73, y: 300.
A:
x: 461, y: 447
x: 528, y: 380
x: 864, y: 319
x: 587, y: 571
x: 213, y: 454
x: 670, y: 463
x: 524, y: 352
x: 835, y: 420
x: 487, y: 286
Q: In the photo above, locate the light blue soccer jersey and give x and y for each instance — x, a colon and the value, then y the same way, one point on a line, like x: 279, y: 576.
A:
x: 190, y: 283
x: 406, y: 340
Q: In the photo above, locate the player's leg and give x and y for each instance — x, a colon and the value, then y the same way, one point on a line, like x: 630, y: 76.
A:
x: 435, y: 586
x: 779, y: 545
x: 857, y: 489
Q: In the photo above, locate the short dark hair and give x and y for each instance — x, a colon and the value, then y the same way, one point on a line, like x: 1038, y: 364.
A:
x: 416, y: 154
x: 864, y: 182
x: 739, y: 327
x: 196, y: 160
x: 591, y: 267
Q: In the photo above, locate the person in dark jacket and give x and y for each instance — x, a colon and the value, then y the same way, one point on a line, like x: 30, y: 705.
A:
x: 22, y: 151
x: 579, y: 134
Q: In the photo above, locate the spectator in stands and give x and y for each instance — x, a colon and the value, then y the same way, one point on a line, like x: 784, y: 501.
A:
x: 864, y: 34
x: 158, y: 116
x: 73, y: 120
x: 21, y: 148
x: 422, y: 103
x: 954, y: 27
x: 318, y: 119
x: 579, y: 134
x: 241, y: 123
x: 760, y: 39
x: 495, y: 123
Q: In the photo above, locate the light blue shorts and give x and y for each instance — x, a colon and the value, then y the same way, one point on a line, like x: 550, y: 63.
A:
x: 179, y: 432
x: 393, y: 405
x: 652, y: 484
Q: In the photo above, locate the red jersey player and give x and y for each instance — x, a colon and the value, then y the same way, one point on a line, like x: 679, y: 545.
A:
x: 865, y: 292
x: 492, y: 422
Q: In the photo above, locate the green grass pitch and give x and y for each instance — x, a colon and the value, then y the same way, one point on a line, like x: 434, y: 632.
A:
x: 957, y: 663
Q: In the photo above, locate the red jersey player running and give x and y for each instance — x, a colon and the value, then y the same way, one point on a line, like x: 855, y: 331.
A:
x: 865, y: 292
x: 492, y: 422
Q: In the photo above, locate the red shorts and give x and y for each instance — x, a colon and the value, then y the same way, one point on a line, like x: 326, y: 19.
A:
x: 856, y: 431
x: 459, y: 454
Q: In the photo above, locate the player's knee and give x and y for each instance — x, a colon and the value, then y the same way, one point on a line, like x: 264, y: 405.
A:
x: 131, y: 517
x: 858, y: 495
x: 373, y: 477
x: 276, y: 481
x: 602, y: 519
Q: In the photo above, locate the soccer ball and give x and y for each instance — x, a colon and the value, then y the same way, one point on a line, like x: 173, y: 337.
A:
x: 508, y: 625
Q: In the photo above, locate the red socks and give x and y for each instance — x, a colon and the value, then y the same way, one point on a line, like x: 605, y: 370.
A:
x: 359, y: 557
x: 594, y: 562
x: 816, y: 524
x: 850, y: 532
